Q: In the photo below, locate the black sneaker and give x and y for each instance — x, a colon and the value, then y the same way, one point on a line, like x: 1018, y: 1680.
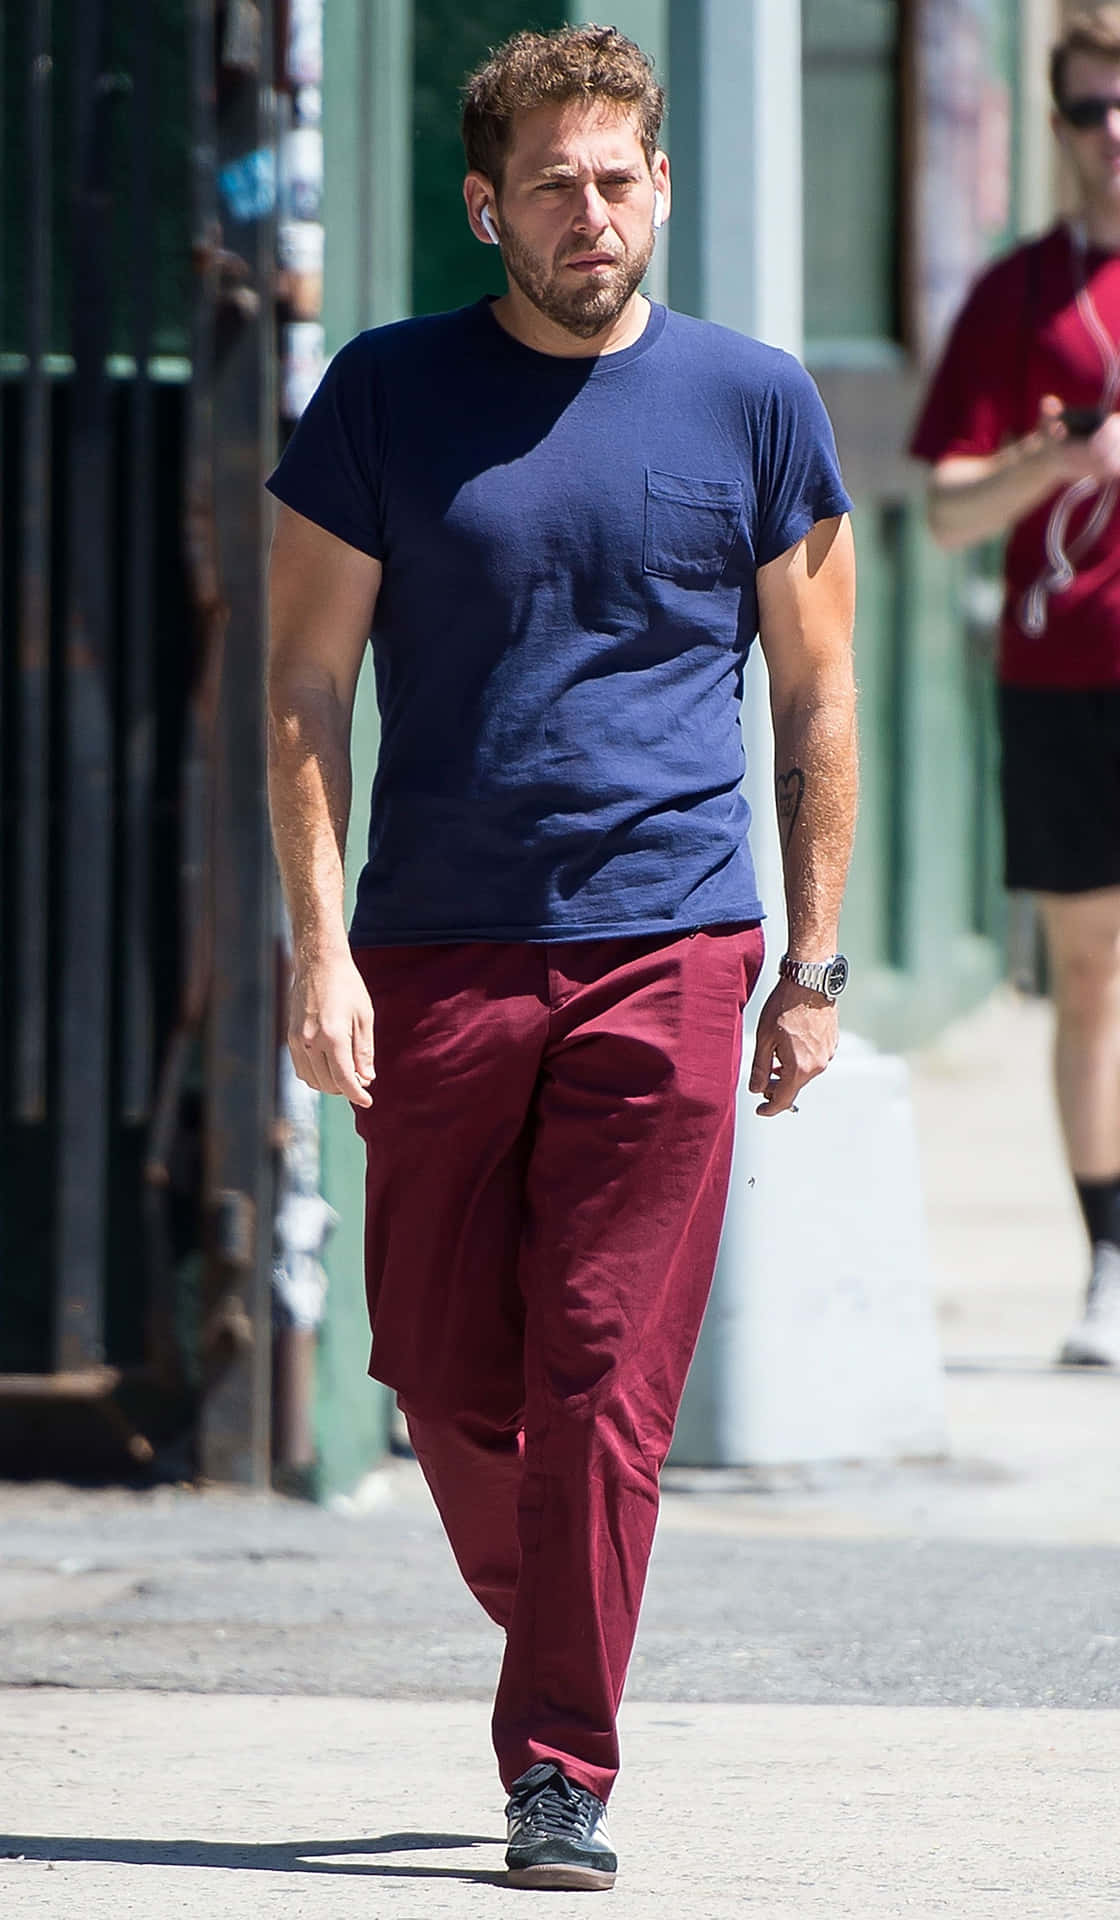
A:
x: 557, y: 1834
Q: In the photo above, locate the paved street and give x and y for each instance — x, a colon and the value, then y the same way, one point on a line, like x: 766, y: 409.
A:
x: 218, y: 1593
x: 857, y: 1691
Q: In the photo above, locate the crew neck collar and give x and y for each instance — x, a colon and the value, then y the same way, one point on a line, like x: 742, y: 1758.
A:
x: 584, y: 365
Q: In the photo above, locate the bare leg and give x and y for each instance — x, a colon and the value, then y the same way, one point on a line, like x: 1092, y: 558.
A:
x: 1083, y: 942
x: 1083, y: 938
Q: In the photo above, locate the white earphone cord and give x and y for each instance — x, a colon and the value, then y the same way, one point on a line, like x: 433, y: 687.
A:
x: 1061, y: 570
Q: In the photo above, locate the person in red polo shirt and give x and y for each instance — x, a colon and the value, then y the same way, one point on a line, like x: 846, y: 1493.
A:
x: 1022, y: 428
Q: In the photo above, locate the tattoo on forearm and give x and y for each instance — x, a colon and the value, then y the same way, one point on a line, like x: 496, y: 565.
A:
x: 791, y: 792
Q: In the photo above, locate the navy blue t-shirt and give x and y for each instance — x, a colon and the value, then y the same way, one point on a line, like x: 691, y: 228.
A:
x: 569, y: 550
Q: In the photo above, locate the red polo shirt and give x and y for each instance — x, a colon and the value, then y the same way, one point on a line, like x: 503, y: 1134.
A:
x: 1019, y: 336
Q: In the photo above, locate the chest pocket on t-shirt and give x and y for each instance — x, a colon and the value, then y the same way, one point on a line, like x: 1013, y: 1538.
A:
x: 690, y: 527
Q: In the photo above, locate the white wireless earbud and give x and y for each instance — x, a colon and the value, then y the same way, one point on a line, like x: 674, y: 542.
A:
x: 658, y: 209
x: 487, y: 221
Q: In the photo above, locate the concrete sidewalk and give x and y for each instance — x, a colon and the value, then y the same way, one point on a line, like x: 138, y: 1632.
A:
x: 1007, y: 1238
x: 145, y: 1805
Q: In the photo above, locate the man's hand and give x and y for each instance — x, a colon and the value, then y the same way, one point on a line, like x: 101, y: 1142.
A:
x: 330, y: 1028
x: 1094, y: 456
x: 797, y: 1033
x: 975, y: 497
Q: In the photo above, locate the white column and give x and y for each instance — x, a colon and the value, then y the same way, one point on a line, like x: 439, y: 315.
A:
x: 751, y: 212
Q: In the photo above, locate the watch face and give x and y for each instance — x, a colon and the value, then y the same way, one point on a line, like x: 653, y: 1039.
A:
x: 836, y: 978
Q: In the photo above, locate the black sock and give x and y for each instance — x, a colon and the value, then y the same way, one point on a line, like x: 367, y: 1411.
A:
x: 1100, y: 1205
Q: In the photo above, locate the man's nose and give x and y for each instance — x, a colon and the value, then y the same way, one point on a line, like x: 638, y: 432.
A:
x: 592, y: 213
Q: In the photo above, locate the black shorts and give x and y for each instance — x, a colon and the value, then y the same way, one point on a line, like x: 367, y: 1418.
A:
x: 1060, y: 782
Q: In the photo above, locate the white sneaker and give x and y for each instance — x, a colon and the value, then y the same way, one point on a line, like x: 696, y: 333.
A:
x: 1095, y: 1340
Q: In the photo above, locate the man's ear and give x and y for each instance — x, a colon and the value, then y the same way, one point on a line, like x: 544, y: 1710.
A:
x: 480, y: 198
x: 662, y: 183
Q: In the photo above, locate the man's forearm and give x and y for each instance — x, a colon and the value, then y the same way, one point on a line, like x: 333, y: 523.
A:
x: 978, y: 499
x: 816, y: 770
x: 309, y: 799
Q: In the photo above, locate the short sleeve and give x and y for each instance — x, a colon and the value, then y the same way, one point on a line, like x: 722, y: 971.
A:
x: 330, y: 469
x: 975, y: 395
x: 798, y: 481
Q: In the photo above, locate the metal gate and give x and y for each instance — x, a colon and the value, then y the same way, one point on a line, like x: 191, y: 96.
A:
x: 137, y: 950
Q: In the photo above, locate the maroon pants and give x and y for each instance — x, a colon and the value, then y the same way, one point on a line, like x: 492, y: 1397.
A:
x: 547, y: 1154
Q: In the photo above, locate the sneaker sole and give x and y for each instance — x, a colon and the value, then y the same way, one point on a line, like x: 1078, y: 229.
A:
x: 1078, y: 1356
x: 565, y: 1877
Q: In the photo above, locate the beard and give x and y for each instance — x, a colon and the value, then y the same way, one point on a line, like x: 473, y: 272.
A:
x: 585, y: 308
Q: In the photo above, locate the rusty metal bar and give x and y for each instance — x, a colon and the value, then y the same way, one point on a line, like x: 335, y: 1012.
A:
x: 201, y: 565
x: 139, y: 636
x: 89, y: 1384
x: 87, y: 773
x: 29, y: 954
x: 6, y: 548
x: 94, y: 1387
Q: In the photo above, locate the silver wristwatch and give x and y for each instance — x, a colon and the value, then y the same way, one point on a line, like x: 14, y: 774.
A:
x: 829, y: 977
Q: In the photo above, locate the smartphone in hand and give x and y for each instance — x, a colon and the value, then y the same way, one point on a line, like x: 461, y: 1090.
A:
x: 1081, y: 422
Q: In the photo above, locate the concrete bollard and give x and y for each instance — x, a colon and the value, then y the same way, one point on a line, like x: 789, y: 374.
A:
x: 820, y: 1342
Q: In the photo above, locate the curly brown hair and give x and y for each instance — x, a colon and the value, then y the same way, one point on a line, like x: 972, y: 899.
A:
x: 1096, y: 31
x: 532, y: 69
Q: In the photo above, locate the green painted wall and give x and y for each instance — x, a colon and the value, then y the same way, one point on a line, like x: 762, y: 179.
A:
x: 924, y: 914
x: 450, y: 268
x: 168, y: 163
x: 851, y: 181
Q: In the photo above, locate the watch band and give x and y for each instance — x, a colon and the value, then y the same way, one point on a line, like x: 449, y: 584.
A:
x: 829, y: 977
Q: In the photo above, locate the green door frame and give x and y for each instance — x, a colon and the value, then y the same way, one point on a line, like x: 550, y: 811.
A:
x: 367, y: 84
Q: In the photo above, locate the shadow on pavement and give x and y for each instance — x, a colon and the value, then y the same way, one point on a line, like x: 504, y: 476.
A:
x: 288, y: 1856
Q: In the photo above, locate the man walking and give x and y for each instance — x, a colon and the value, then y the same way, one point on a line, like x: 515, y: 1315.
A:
x: 1023, y: 429
x: 563, y: 514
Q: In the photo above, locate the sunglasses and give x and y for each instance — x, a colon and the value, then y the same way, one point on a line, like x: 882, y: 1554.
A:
x: 1090, y: 112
